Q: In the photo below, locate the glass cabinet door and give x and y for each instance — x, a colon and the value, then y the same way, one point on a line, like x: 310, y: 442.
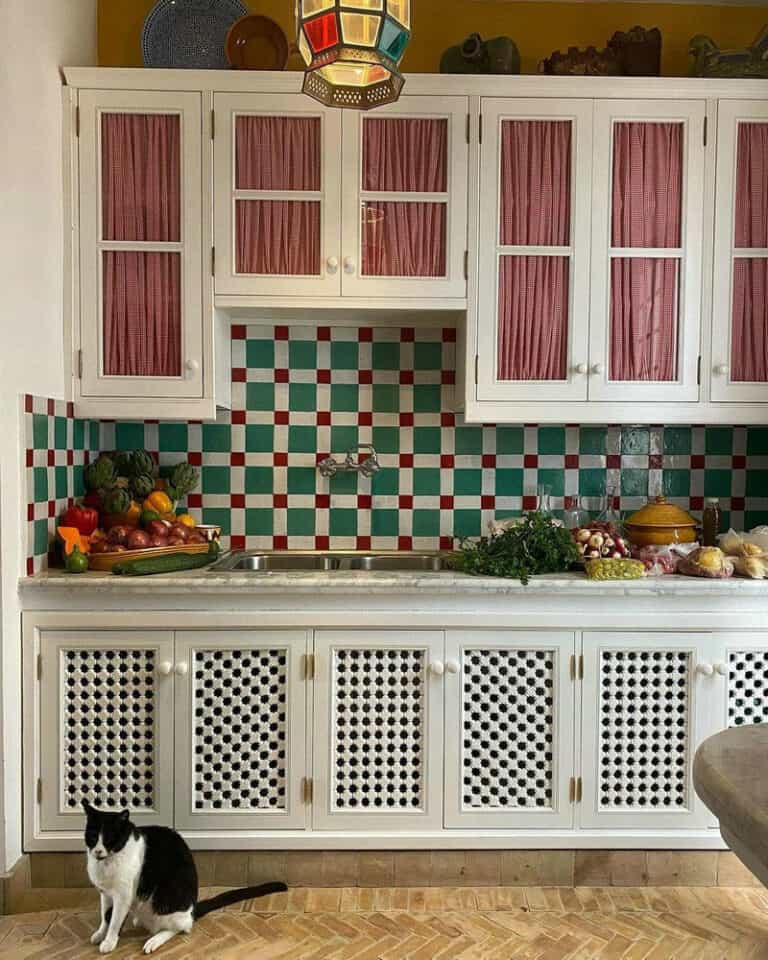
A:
x: 276, y: 182
x: 141, y: 201
x: 740, y: 320
x: 646, y: 258
x: 405, y: 201
x: 533, y: 278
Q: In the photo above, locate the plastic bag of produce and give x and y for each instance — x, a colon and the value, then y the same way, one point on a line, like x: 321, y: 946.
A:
x: 753, y: 567
x: 743, y: 544
x: 706, y: 562
x: 657, y: 560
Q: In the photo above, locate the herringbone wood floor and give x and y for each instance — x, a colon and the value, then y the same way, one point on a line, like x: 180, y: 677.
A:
x: 484, y: 923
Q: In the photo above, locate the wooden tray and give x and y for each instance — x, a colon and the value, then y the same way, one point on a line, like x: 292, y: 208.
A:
x: 105, y: 561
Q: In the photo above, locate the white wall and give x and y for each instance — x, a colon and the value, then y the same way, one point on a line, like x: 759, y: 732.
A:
x: 39, y: 36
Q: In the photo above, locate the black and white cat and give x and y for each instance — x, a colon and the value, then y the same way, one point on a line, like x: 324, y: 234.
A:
x: 149, y: 872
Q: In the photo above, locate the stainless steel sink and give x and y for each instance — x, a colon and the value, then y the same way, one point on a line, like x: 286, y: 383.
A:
x: 285, y: 561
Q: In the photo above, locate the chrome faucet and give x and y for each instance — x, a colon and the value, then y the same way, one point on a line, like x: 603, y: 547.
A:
x: 330, y: 467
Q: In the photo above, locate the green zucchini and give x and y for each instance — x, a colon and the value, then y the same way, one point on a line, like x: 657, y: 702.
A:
x: 171, y: 563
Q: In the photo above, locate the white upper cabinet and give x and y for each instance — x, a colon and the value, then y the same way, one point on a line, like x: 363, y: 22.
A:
x: 277, y: 189
x: 533, y: 275
x: 404, y: 208
x: 647, y: 231
x: 740, y: 295
x: 141, y: 327
x: 324, y: 203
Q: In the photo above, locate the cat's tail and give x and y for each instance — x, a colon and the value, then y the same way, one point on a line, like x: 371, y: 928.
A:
x: 229, y: 897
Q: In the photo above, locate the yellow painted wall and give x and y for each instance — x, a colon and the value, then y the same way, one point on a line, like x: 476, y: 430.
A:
x: 537, y: 28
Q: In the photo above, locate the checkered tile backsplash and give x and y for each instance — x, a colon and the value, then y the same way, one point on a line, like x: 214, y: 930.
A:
x: 57, y: 448
x: 301, y: 393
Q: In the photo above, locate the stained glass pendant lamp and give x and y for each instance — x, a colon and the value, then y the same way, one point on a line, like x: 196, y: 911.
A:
x: 352, y: 49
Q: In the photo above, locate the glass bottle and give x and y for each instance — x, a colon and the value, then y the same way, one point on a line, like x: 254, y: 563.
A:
x: 575, y: 514
x: 544, y: 499
x: 710, y: 523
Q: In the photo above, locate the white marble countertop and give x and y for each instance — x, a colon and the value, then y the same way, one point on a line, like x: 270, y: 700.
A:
x: 345, y: 582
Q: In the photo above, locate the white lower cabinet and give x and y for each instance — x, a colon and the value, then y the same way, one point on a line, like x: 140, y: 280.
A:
x: 509, y: 729
x: 241, y: 729
x: 385, y: 731
x: 378, y: 747
x: 648, y: 700
x: 106, y: 725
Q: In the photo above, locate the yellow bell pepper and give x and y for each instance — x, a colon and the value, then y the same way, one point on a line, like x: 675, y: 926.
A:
x: 187, y: 519
x: 159, y: 502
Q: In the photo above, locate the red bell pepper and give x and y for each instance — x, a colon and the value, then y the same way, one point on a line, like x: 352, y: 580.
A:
x: 84, y: 519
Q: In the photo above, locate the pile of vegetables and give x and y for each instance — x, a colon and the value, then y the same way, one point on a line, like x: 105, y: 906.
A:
x: 600, y: 540
x: 125, y: 486
x: 537, y: 543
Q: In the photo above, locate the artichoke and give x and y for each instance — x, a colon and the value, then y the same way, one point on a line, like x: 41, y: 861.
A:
x: 100, y: 474
x: 116, y: 500
x: 123, y: 463
x: 142, y: 485
x: 141, y: 463
x: 183, y: 479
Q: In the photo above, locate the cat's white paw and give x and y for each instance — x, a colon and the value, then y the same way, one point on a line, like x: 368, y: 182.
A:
x: 108, y: 945
x: 98, y: 935
x: 154, y: 943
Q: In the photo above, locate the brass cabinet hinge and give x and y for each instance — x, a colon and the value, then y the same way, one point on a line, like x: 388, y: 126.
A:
x: 574, y: 790
x: 480, y: 129
x: 308, y: 666
x: 573, y: 666
x: 705, y: 131
x: 581, y: 666
x: 39, y: 790
x: 307, y: 789
x: 578, y: 790
x: 39, y: 666
x: 213, y: 124
x: 77, y: 121
x: 466, y: 264
x: 213, y: 261
x: 477, y: 364
x: 468, y: 128
x: 79, y: 364
x: 698, y: 371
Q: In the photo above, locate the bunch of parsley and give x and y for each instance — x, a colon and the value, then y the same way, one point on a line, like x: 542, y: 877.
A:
x: 538, y: 544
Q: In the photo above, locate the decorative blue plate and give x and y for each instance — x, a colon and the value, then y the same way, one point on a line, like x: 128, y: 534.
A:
x: 189, y: 33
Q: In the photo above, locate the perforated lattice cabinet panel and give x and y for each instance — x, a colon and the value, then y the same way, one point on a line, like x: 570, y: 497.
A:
x: 240, y: 729
x: 747, y: 685
x: 108, y: 725
x: 507, y: 731
x: 644, y: 726
x: 377, y: 726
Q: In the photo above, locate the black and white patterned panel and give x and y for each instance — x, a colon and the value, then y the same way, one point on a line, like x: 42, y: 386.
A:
x: 378, y: 728
x: 747, y: 687
x: 240, y: 729
x: 644, y: 723
x: 507, y: 729
x: 108, y: 700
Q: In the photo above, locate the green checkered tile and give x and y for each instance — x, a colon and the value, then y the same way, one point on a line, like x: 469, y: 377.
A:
x: 260, y: 354
x: 345, y: 355
x: 551, y: 440
x: 427, y: 440
x: 384, y: 523
x: 387, y: 439
x: 386, y: 483
x: 302, y: 439
x: 259, y: 480
x: 426, y: 482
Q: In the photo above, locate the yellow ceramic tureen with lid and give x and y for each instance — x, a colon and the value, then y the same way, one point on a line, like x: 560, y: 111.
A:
x: 659, y: 523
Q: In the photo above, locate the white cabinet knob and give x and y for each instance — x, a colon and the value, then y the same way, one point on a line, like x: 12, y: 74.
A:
x: 437, y: 667
x: 332, y: 264
x: 349, y: 265
x: 705, y: 669
x: 182, y: 669
x: 581, y: 368
x: 721, y: 669
x: 451, y: 667
x: 721, y: 369
x: 164, y: 668
x: 192, y: 366
x: 597, y: 368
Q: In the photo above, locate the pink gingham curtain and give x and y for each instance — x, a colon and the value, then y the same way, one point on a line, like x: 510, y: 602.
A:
x: 535, y: 183
x: 277, y: 153
x: 405, y: 155
x: 533, y: 318
x: 646, y: 212
x: 535, y: 210
x: 277, y: 237
x: 749, y: 339
x: 408, y: 154
x: 141, y: 201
